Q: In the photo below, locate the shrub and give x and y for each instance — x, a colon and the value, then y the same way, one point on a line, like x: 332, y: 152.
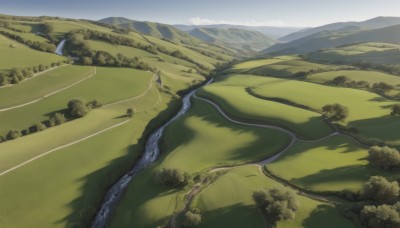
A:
x: 277, y: 203
x: 395, y: 110
x: 13, y: 134
x: 335, y: 112
x: 173, y: 178
x: 191, y: 219
x: 77, y: 108
x: 40, y: 127
x: 129, y: 112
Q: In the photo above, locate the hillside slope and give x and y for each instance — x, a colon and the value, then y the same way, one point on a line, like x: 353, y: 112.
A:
x: 374, y: 23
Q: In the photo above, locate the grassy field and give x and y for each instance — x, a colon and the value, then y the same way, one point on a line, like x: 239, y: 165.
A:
x: 230, y: 93
x: 378, y: 53
x: 76, y: 177
x: 276, y: 67
x: 368, y: 112
x: 147, y: 204
x: 228, y: 203
x: 23, y: 56
x: 43, y: 84
x: 103, y: 87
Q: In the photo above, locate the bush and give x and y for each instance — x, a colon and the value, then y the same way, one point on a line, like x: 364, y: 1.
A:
x: 335, y: 112
x: 384, y: 157
x: 77, y: 108
x: 379, y: 190
x: 59, y: 118
x: 277, y: 204
x: 191, y: 219
x: 13, y: 134
x: 129, y: 112
x: 383, y: 216
x: 40, y: 127
x: 382, y: 87
x: 395, y: 109
x: 173, y: 178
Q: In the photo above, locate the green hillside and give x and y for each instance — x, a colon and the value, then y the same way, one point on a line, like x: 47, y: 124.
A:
x: 239, y: 39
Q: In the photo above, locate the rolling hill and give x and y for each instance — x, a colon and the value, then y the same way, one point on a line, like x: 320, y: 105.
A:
x: 329, y: 39
x: 374, y: 23
x: 239, y: 39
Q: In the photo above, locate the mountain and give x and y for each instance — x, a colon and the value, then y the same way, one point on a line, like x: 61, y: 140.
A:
x: 270, y: 31
x: 158, y: 30
x: 375, y: 23
x: 239, y: 39
x: 330, y: 39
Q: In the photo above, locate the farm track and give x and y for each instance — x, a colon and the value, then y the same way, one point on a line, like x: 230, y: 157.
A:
x: 49, y: 94
x: 273, y: 158
x: 92, y: 135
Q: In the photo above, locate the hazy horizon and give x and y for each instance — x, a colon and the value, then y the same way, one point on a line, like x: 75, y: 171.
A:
x: 189, y: 12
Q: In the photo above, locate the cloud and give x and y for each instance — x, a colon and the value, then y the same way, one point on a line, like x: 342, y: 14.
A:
x: 205, y: 21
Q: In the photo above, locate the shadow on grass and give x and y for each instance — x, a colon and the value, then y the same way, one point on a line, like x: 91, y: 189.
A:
x: 322, y: 217
x: 96, y: 184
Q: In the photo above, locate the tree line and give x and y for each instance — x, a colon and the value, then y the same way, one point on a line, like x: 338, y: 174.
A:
x: 37, y: 45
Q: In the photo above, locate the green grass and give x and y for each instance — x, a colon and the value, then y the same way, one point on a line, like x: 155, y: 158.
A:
x: 200, y: 140
x: 108, y: 85
x: 333, y: 164
x: 42, y: 85
x: 23, y: 56
x: 228, y: 203
x: 67, y: 186
x: 368, y: 112
x: 230, y: 93
x: 286, y: 67
x: 378, y: 53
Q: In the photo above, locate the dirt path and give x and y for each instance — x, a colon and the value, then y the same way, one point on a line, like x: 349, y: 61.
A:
x: 49, y: 94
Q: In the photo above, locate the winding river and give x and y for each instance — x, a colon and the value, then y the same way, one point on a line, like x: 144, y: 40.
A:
x: 150, y: 155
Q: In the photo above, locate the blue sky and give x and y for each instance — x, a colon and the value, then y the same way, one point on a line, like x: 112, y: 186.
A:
x: 249, y: 12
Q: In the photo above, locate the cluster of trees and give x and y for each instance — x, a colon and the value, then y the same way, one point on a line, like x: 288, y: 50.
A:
x: 303, y: 74
x: 40, y: 46
x: 173, y: 178
x: 395, y: 110
x: 277, y: 204
x: 7, y: 25
x: 192, y: 218
x: 335, y: 112
x: 345, y: 81
x: 76, y: 108
x: 15, y: 75
x: 385, y: 158
x: 382, y: 216
x: 391, y: 69
x: 382, y: 88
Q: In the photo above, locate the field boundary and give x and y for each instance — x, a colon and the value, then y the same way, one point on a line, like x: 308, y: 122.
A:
x: 49, y: 94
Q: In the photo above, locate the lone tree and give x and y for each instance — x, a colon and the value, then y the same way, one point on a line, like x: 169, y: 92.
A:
x: 379, y: 190
x: 129, y: 112
x: 383, y: 216
x: 395, y: 110
x: 13, y: 134
x: 384, y: 157
x: 192, y: 218
x: 77, y: 108
x: 174, y: 178
x: 277, y: 204
x: 335, y: 112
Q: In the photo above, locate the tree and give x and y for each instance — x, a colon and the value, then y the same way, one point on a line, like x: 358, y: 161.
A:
x: 384, y: 157
x: 395, y: 110
x: 383, y: 216
x: 48, y: 28
x: 173, y: 177
x: 335, y: 112
x: 277, y: 204
x: 379, y: 190
x: 191, y: 219
x: 87, y: 61
x: 59, y: 118
x: 340, y: 80
x: 94, y: 104
x: 129, y: 112
x: 40, y: 127
x: 77, y: 108
x: 13, y: 134
x: 382, y: 87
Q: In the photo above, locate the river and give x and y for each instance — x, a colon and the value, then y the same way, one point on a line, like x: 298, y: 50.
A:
x: 152, y: 151
x: 60, y: 47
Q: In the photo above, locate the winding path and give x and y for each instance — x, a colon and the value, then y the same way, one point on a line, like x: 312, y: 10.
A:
x: 49, y: 94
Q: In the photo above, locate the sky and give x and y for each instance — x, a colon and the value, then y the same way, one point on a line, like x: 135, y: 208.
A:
x: 290, y: 13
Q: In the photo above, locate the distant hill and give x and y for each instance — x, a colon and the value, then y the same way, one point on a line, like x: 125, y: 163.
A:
x: 239, y: 39
x: 153, y: 29
x: 329, y: 39
x: 375, y: 23
x: 270, y: 31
